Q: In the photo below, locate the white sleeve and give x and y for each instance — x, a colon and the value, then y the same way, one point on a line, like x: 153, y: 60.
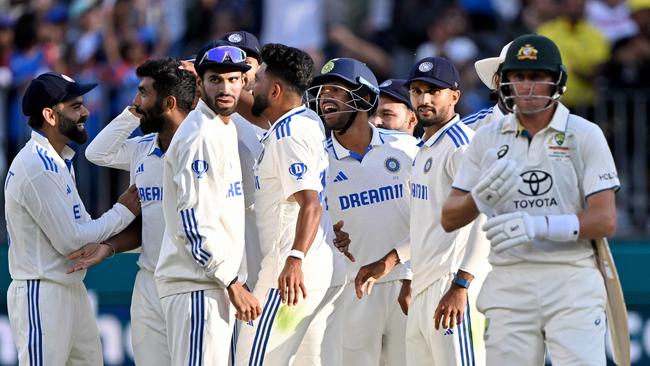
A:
x: 57, y: 213
x: 298, y: 164
x: 468, y: 171
x: 599, y: 169
x: 477, y: 249
x: 112, y: 147
x: 403, y: 249
x: 198, y: 170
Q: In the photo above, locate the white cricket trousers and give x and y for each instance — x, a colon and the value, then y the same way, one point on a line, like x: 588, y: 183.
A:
x: 148, y: 330
x: 375, y: 326
x: 530, y: 306
x: 53, y: 324
x: 461, y: 345
x: 310, y: 333
x: 199, y: 327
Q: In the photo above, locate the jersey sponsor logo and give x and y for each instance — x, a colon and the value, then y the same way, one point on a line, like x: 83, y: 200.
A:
x: 420, y: 191
x: 535, y: 202
x: 392, y: 165
x: 340, y: 176
x: 298, y: 170
x: 200, y: 167
x: 234, y: 190
x: 76, y: 210
x: 449, y: 331
x: 536, y: 183
x: 371, y: 196
x: 9, y: 175
x: 150, y: 193
x: 140, y: 169
x: 503, y: 150
x: 427, y: 165
x: 604, y: 176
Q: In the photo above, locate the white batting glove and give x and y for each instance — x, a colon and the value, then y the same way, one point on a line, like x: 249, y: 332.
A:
x: 497, y: 184
x: 513, y: 229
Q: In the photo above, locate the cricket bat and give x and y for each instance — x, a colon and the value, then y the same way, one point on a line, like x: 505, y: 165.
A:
x: 616, y: 311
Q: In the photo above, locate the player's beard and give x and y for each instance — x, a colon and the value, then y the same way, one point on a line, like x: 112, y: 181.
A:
x: 438, y: 116
x: 212, y: 103
x: 74, y: 130
x: 260, y: 103
x: 151, y: 120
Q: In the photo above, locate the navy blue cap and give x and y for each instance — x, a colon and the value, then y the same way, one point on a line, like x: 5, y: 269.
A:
x: 49, y: 89
x: 437, y: 71
x: 350, y: 70
x: 394, y: 88
x: 246, y: 41
x: 200, y: 67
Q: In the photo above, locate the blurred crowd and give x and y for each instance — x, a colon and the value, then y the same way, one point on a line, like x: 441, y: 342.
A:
x: 605, y: 43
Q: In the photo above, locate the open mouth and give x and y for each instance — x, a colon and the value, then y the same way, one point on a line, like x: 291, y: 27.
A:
x: 329, y: 107
x: 81, y: 126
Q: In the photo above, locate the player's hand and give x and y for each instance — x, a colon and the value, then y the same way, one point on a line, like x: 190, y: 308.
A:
x: 512, y: 229
x: 370, y: 273
x: 342, y: 240
x: 246, y: 305
x: 404, y: 298
x: 292, y: 282
x: 88, y: 256
x: 131, y: 200
x: 496, y: 184
x: 451, y: 308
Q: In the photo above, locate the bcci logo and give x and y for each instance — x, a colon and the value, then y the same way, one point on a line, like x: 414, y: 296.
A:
x: 200, y: 167
x: 298, y: 170
x: 425, y: 66
x: 537, y: 183
x: 235, y: 38
x: 392, y: 165
x: 427, y: 165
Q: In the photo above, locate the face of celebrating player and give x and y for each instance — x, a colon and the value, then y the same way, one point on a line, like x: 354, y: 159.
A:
x: 531, y: 89
x: 150, y: 106
x: 71, y: 117
x: 249, y: 76
x: 221, y: 90
x: 391, y: 115
x: 335, y: 104
x: 432, y: 105
x: 261, y: 90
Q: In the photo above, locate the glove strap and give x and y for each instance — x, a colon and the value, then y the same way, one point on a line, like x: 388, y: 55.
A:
x: 563, y: 228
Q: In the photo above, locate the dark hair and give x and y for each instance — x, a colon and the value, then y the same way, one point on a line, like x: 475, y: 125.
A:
x: 170, y: 80
x: 293, y: 66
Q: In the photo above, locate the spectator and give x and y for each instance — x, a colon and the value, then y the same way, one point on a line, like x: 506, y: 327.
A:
x: 612, y: 17
x: 584, y: 50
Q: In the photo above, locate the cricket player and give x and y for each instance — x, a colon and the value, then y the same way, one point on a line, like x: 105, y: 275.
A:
x: 302, y: 272
x: 487, y: 70
x: 203, y: 206
x: 448, y: 268
x: 52, y: 322
x: 164, y: 98
x: 547, y: 180
x: 368, y: 194
x: 394, y: 111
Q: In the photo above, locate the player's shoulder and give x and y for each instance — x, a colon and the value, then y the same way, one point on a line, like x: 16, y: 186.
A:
x: 457, y: 135
x: 297, y: 125
x: 475, y: 118
x: 36, y: 159
x: 581, y: 126
x: 398, y: 140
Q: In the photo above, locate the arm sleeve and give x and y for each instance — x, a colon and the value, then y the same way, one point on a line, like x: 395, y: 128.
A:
x: 599, y: 169
x: 298, y: 165
x: 112, y: 147
x: 49, y: 204
x: 477, y: 249
x: 198, y: 170
x: 467, y: 171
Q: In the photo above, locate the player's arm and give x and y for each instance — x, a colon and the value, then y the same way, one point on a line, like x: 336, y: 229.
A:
x: 61, y: 218
x: 92, y: 254
x: 112, y: 147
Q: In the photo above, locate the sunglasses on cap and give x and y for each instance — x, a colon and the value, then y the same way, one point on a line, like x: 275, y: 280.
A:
x: 224, y: 54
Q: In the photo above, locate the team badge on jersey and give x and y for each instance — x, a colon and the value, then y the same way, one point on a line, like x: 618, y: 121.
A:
x: 559, y: 138
x: 392, y: 165
x: 200, y: 167
x: 427, y: 165
x: 298, y: 170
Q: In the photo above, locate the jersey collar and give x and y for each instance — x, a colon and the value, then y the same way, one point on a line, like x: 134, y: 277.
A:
x: 558, y: 121
x: 155, y: 148
x: 201, y: 106
x: 66, y: 154
x: 341, y: 152
x: 287, y: 115
x: 441, y: 132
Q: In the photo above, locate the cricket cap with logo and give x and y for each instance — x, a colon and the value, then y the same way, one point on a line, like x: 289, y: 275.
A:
x: 436, y: 71
x: 221, y: 54
x: 246, y: 41
x: 395, y: 89
x: 533, y: 52
x: 49, y: 89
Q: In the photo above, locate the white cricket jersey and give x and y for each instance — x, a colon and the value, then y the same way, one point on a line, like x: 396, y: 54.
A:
x: 203, y: 205
x: 46, y: 219
x: 371, y: 195
x: 560, y: 167
x: 142, y: 158
x: 250, y: 147
x: 294, y: 159
x: 483, y: 117
x: 434, y: 252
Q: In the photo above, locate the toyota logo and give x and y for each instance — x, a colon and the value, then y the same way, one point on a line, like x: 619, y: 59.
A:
x: 537, y: 183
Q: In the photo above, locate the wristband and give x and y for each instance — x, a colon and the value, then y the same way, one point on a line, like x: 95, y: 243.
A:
x: 110, y: 246
x: 297, y: 254
x: 459, y: 281
x: 563, y: 228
